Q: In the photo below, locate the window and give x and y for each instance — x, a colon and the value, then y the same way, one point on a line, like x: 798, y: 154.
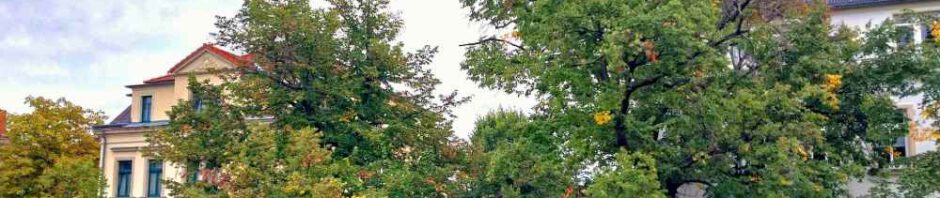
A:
x: 146, y: 103
x: 925, y: 34
x: 197, y: 102
x: 192, y: 172
x: 124, y: 179
x: 155, y: 173
x: 906, y: 36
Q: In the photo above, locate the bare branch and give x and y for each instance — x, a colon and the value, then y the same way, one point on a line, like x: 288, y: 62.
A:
x: 493, y: 39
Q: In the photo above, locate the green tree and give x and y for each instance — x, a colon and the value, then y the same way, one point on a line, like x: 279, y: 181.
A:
x: 333, y: 85
x: 748, y: 97
x: 513, y: 157
x: 51, y: 152
x: 919, y: 177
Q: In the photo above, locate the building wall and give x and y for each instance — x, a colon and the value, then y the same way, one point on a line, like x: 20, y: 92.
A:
x: 116, y: 150
x: 859, y: 18
x: 129, y: 143
x: 199, y: 67
x: 163, y: 100
x: 165, y: 96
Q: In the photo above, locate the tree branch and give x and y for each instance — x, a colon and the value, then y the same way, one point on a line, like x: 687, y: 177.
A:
x: 493, y: 39
x: 619, y: 124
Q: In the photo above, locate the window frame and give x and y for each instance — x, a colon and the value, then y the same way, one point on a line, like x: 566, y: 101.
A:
x: 197, y: 102
x: 129, y: 182
x: 146, y: 108
x: 913, y: 36
x: 192, y: 173
x: 150, y: 179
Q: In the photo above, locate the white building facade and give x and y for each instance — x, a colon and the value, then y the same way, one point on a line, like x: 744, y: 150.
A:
x: 859, y: 13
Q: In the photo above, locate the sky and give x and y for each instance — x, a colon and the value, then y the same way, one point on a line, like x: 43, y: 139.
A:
x: 87, y: 51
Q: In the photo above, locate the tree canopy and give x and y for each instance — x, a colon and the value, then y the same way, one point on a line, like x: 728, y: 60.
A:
x: 744, y: 97
x: 330, y: 105
x: 51, y: 151
x: 652, y: 98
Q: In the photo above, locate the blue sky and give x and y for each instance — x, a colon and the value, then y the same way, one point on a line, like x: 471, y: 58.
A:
x: 86, y: 51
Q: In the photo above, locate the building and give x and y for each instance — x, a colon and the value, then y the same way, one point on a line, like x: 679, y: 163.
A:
x: 130, y: 173
x: 858, y: 13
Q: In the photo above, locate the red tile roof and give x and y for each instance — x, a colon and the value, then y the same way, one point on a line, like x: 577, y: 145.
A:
x: 232, y: 58
x: 164, y: 78
x: 206, y: 47
x: 3, y: 122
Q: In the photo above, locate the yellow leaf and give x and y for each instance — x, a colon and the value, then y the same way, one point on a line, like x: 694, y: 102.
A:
x: 935, y: 30
x: 516, y: 34
x: 800, y: 150
x: 892, y: 152
x: 833, y: 82
x: 602, y: 118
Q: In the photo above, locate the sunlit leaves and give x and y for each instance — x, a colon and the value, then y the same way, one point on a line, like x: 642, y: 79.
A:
x: 348, y: 111
x: 774, y: 103
x: 602, y: 118
x: 50, y: 152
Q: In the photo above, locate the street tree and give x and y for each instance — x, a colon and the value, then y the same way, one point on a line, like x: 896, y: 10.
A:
x: 346, y: 111
x: 51, y: 151
x: 740, y: 97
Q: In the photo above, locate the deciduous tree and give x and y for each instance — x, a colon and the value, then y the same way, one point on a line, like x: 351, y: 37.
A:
x: 51, y: 151
x: 351, y: 113
x: 747, y: 97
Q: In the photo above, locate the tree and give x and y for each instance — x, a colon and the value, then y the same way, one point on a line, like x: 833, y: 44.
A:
x: 331, y: 80
x: 51, y: 152
x: 513, y: 157
x: 747, y: 97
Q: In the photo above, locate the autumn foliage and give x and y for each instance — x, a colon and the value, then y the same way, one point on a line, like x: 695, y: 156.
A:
x: 51, y: 152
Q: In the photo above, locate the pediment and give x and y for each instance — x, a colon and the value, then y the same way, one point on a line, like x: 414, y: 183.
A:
x: 204, y: 62
x: 207, y: 57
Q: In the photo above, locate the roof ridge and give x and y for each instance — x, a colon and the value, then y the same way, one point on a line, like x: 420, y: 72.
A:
x: 208, y: 47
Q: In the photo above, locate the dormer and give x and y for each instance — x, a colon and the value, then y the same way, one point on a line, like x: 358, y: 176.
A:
x: 151, y: 100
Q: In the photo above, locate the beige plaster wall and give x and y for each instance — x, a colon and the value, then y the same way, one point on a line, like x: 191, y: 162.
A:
x: 139, y: 171
x: 163, y: 101
x: 164, y: 98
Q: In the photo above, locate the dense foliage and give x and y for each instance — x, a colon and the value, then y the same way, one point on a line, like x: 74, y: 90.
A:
x: 51, y: 152
x: 329, y: 106
x: 653, y: 98
x: 742, y: 97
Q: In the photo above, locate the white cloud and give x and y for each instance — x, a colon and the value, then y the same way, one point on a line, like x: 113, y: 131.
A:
x: 43, y: 69
x: 446, y: 25
x: 86, y: 51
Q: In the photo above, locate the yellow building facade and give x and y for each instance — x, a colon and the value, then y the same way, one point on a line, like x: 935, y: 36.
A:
x: 127, y: 170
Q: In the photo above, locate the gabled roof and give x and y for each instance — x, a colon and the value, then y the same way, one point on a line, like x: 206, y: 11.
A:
x: 207, y: 47
x: 164, y: 78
